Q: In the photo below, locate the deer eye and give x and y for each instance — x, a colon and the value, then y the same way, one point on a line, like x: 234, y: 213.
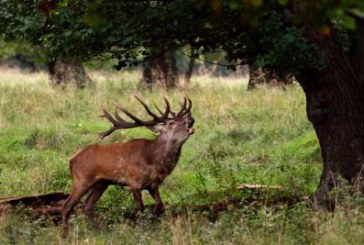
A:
x: 172, y: 123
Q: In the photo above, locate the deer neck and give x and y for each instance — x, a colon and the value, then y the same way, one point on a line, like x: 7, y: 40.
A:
x: 165, y: 152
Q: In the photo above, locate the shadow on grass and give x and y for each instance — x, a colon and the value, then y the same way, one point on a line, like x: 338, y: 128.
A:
x: 49, y: 206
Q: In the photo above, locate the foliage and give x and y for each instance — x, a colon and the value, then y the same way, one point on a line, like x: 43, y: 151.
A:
x: 10, y: 49
x: 261, y: 33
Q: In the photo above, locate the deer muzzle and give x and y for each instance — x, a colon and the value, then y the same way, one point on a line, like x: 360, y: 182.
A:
x: 189, y: 122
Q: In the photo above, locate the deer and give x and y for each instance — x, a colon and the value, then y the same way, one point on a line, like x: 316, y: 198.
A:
x: 140, y: 164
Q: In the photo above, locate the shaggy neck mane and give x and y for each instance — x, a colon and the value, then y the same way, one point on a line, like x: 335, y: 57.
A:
x: 164, y: 153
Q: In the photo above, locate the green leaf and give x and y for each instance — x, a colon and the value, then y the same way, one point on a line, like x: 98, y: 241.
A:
x: 349, y: 22
x: 282, y: 2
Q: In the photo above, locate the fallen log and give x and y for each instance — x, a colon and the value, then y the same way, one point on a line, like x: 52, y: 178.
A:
x: 46, y: 204
x: 44, y: 199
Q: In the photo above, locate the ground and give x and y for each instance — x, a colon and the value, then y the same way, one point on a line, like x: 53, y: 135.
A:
x: 242, y: 137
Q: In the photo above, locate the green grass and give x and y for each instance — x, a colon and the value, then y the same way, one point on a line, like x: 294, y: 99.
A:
x: 257, y: 137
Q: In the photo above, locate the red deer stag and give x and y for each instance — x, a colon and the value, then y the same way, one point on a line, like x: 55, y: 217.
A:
x: 139, y: 164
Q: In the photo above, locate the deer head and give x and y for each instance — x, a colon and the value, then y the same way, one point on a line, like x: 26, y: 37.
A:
x: 172, y: 127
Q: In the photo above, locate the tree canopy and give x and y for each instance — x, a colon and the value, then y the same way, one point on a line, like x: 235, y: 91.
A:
x: 255, y: 32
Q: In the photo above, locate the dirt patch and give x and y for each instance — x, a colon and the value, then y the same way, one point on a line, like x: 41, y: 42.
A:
x: 255, y: 203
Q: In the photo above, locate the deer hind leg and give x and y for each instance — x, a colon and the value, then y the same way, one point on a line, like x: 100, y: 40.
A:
x: 158, y: 206
x: 95, y: 194
x: 77, y: 193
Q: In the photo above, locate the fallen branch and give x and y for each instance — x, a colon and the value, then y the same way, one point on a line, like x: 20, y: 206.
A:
x: 47, y: 204
x: 258, y: 187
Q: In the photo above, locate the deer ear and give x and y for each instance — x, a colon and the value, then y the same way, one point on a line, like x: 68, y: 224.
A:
x: 158, y: 128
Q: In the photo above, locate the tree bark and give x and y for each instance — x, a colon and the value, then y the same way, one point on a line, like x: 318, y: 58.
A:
x: 190, y: 67
x: 68, y: 72
x: 161, y: 70
x: 335, y: 107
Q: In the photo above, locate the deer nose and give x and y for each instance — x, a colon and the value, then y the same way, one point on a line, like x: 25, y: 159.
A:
x: 190, y: 121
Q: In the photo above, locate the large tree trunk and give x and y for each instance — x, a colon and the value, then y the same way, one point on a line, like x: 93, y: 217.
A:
x: 68, y: 72
x: 161, y: 70
x: 335, y: 106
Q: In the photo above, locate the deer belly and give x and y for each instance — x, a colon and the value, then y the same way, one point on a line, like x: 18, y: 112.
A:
x: 144, y: 181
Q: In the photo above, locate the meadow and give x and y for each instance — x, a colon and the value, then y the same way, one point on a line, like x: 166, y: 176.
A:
x: 241, y: 137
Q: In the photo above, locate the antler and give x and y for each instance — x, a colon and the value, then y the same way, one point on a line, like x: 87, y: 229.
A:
x: 119, y: 123
x: 183, y: 111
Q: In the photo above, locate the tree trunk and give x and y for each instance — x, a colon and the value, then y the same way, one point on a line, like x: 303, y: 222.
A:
x: 335, y: 107
x: 189, y: 70
x: 161, y: 70
x: 68, y: 72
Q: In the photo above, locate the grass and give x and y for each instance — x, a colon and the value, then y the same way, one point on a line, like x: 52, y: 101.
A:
x: 255, y: 137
